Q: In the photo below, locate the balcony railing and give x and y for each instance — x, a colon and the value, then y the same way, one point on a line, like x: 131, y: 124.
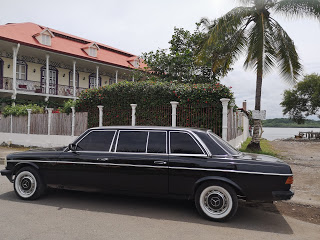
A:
x: 37, y: 87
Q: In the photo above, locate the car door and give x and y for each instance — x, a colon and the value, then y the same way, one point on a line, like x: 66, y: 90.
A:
x: 87, y: 166
x: 186, y: 157
x: 140, y: 162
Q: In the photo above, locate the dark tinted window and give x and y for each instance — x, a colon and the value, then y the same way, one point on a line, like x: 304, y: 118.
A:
x: 214, y: 148
x: 183, y: 143
x: 231, y: 150
x: 132, y: 141
x: 96, y: 141
x: 157, y: 142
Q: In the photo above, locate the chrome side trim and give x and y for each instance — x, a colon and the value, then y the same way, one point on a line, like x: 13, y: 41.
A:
x: 232, y: 171
x: 150, y: 166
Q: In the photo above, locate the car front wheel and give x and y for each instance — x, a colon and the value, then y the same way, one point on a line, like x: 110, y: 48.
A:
x: 216, y: 201
x: 28, y: 184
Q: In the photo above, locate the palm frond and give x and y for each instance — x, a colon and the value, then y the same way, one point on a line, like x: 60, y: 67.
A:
x: 299, y: 8
x: 287, y: 56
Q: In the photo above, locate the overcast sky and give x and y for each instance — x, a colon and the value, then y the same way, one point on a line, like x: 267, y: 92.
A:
x: 138, y: 26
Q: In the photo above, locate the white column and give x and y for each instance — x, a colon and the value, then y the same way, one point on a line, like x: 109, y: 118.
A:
x: 74, y: 79
x: 72, y: 120
x: 133, y: 118
x: 97, y: 77
x: 224, y: 102
x: 132, y: 78
x: 14, y: 69
x: 174, y: 113
x: 29, y: 119
x: 49, y: 119
x: 100, y: 115
x: 117, y: 76
x: 233, y: 120
x: 47, y: 74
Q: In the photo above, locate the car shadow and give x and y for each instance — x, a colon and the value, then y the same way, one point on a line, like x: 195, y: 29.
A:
x: 249, y: 218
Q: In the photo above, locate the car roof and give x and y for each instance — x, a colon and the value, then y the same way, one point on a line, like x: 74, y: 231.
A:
x: 150, y: 128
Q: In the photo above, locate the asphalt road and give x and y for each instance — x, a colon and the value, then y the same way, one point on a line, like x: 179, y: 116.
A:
x: 77, y: 215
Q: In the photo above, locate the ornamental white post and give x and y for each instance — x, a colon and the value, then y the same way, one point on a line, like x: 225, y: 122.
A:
x: 74, y: 79
x: 224, y: 102
x: 233, y: 121
x: 117, y: 76
x: 11, y: 122
x: 29, y: 119
x: 174, y: 113
x: 133, y: 119
x: 72, y: 120
x: 97, y: 77
x: 100, y: 115
x: 49, y: 119
x: 47, y: 74
x: 14, y: 69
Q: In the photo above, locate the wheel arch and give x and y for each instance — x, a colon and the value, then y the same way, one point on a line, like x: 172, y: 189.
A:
x: 20, y: 165
x: 231, y: 183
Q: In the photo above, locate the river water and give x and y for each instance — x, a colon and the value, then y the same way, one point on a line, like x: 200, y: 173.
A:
x: 272, y: 133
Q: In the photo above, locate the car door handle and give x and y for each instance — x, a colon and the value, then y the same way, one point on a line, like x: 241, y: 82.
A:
x: 160, y: 162
x: 103, y: 159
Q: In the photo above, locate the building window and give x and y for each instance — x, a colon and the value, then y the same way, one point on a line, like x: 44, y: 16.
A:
x: 71, y: 79
x: 92, y: 52
x: 53, y: 80
x: 112, y: 81
x: 21, y: 70
x: 92, y: 81
x: 46, y: 39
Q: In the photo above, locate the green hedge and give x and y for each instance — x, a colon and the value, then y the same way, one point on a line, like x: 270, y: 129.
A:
x: 116, y: 99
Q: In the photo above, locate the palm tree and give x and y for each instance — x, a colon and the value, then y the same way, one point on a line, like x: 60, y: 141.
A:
x: 250, y: 29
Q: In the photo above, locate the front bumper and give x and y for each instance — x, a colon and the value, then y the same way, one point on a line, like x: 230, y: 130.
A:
x: 282, y: 195
x: 7, y: 173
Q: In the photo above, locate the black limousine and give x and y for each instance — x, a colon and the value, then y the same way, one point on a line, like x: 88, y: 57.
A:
x: 159, y: 161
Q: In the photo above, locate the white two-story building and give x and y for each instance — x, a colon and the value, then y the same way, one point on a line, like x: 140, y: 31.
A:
x: 40, y: 62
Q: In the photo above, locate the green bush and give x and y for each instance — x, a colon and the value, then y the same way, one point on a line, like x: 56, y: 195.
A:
x: 66, y: 108
x: 149, y: 96
x: 21, y: 110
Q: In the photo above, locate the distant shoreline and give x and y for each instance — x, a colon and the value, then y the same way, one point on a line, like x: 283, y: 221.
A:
x: 288, y: 123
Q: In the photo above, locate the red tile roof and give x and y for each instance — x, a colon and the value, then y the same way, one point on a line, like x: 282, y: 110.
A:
x: 64, y: 43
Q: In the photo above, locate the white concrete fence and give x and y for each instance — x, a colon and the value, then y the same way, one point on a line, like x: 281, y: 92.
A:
x: 241, y: 122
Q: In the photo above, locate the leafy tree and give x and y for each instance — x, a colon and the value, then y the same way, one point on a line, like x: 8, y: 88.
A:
x: 303, y: 100
x: 265, y: 43
x: 179, y: 63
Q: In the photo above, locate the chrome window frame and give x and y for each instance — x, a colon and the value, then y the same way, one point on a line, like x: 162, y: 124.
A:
x: 146, y: 148
x: 96, y: 130
x: 194, y: 139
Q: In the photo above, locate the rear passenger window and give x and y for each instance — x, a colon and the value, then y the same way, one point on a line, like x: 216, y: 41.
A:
x: 96, y: 141
x: 157, y: 142
x: 183, y: 143
x: 132, y: 141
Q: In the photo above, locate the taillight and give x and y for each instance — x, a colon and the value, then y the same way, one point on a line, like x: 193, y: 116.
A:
x: 289, y: 180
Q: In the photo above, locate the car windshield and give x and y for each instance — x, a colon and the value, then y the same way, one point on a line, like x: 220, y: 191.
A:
x: 225, y: 145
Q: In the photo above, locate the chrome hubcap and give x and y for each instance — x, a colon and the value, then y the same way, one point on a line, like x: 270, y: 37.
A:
x: 25, y: 184
x: 216, y: 202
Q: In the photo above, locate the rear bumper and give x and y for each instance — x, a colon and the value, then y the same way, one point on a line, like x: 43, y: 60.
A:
x: 282, y: 195
x: 7, y: 173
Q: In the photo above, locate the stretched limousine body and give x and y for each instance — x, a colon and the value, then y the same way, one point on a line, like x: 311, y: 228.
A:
x: 176, y: 162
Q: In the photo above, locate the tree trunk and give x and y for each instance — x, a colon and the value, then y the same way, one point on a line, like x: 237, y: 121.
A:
x: 255, y: 142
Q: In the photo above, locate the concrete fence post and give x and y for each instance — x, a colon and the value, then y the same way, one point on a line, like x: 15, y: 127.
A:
x: 174, y: 113
x: 29, y: 119
x: 72, y: 120
x: 133, y: 118
x: 100, y: 115
x: 224, y: 102
x: 49, y: 119
x: 11, y: 123
x: 233, y: 121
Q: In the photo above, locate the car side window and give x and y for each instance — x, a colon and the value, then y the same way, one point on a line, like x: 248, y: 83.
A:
x: 157, y: 142
x: 132, y: 141
x: 96, y: 141
x: 183, y: 143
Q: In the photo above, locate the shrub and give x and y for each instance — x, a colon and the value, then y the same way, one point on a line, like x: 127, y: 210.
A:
x: 21, y: 110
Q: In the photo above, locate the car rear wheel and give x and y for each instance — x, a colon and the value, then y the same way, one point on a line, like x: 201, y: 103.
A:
x: 28, y: 184
x: 216, y: 201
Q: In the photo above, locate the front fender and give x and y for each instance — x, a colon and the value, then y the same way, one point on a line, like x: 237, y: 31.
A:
x: 237, y: 188
x: 23, y: 164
